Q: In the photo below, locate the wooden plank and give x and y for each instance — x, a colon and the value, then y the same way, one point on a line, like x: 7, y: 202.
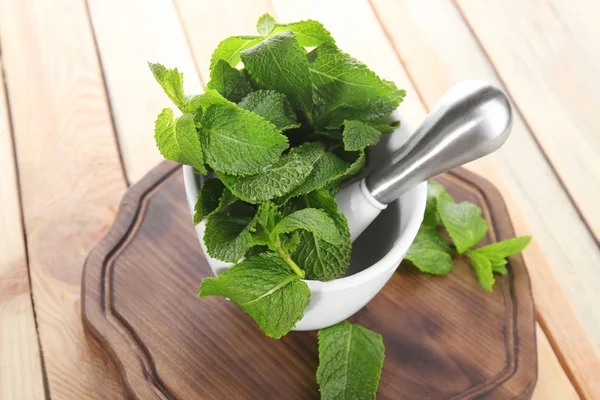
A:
x: 554, y: 84
x: 20, y: 362
x: 553, y: 383
x: 439, y: 50
x: 69, y: 173
x: 155, y: 35
x: 357, y: 14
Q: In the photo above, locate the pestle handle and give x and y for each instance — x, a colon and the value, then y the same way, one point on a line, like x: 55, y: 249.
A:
x: 471, y: 120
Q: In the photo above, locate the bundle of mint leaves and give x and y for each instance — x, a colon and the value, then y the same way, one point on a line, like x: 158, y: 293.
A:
x: 286, y: 119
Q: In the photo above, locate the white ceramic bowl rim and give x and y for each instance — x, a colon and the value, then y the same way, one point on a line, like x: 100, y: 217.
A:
x: 389, y: 261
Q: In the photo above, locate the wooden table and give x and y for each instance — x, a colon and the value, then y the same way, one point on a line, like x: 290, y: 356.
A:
x: 77, y: 105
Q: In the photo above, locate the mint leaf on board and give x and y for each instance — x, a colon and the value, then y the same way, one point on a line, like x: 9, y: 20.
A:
x: 227, y: 238
x: 313, y: 220
x: 265, y: 24
x: 280, y: 64
x: 499, y: 265
x: 265, y: 288
x: 483, y: 270
x: 350, y: 362
x: 435, y: 192
x: 326, y: 167
x: 319, y: 259
x: 208, y: 199
x: 463, y: 223
x: 230, y: 82
x: 276, y: 180
x: 344, y: 88
x: 272, y: 106
x: 230, y: 48
x: 505, y: 248
x: 309, y: 33
x: 171, y: 81
x: 430, y: 253
x: 178, y: 140
x: 239, y: 142
x: 358, y: 135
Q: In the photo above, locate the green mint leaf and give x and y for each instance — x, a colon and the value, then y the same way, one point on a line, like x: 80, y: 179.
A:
x: 171, y: 81
x: 313, y: 220
x: 230, y: 48
x: 483, y: 270
x: 239, y: 142
x: 344, y: 88
x: 200, y: 102
x: 268, y: 215
x: 435, y: 192
x: 273, y: 181
x: 309, y: 33
x: 272, y: 106
x: 358, y: 135
x: 230, y: 82
x: 499, y: 265
x: 279, y: 63
x: 350, y: 362
x: 326, y: 167
x: 386, y: 128
x: 228, y: 238
x: 463, y: 222
x: 505, y: 248
x: 430, y: 253
x: 178, y: 140
x: 321, y: 260
x: 208, y: 199
x: 265, y: 24
x: 266, y: 289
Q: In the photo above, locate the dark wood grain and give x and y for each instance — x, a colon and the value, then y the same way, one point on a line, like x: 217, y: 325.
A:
x: 445, y: 337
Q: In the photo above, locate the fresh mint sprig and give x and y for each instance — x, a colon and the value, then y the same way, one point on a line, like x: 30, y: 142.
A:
x: 432, y: 254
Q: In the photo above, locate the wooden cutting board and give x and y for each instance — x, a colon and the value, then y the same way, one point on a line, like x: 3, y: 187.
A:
x: 445, y: 337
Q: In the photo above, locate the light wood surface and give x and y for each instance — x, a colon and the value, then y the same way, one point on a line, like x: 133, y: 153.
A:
x: 72, y: 164
x: 20, y: 363
x: 70, y: 177
x: 546, y: 65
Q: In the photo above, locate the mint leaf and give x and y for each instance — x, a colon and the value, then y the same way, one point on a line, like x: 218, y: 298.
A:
x: 178, y: 140
x: 273, y: 181
x: 350, y: 362
x: 326, y: 167
x: 239, y: 142
x: 499, y: 265
x: 483, y: 270
x: 279, y: 63
x: 430, y: 253
x: 463, y: 222
x: 272, y: 106
x: 358, y: 135
x: 265, y: 24
x: 313, y: 220
x: 309, y: 33
x: 321, y: 260
x: 386, y: 128
x: 505, y: 248
x: 344, y: 88
x: 230, y: 48
x: 171, y: 81
x: 227, y: 238
x: 208, y: 199
x: 266, y: 289
x: 230, y: 82
x: 435, y: 192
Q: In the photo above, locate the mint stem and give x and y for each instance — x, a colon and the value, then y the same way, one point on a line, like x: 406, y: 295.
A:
x: 286, y: 257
